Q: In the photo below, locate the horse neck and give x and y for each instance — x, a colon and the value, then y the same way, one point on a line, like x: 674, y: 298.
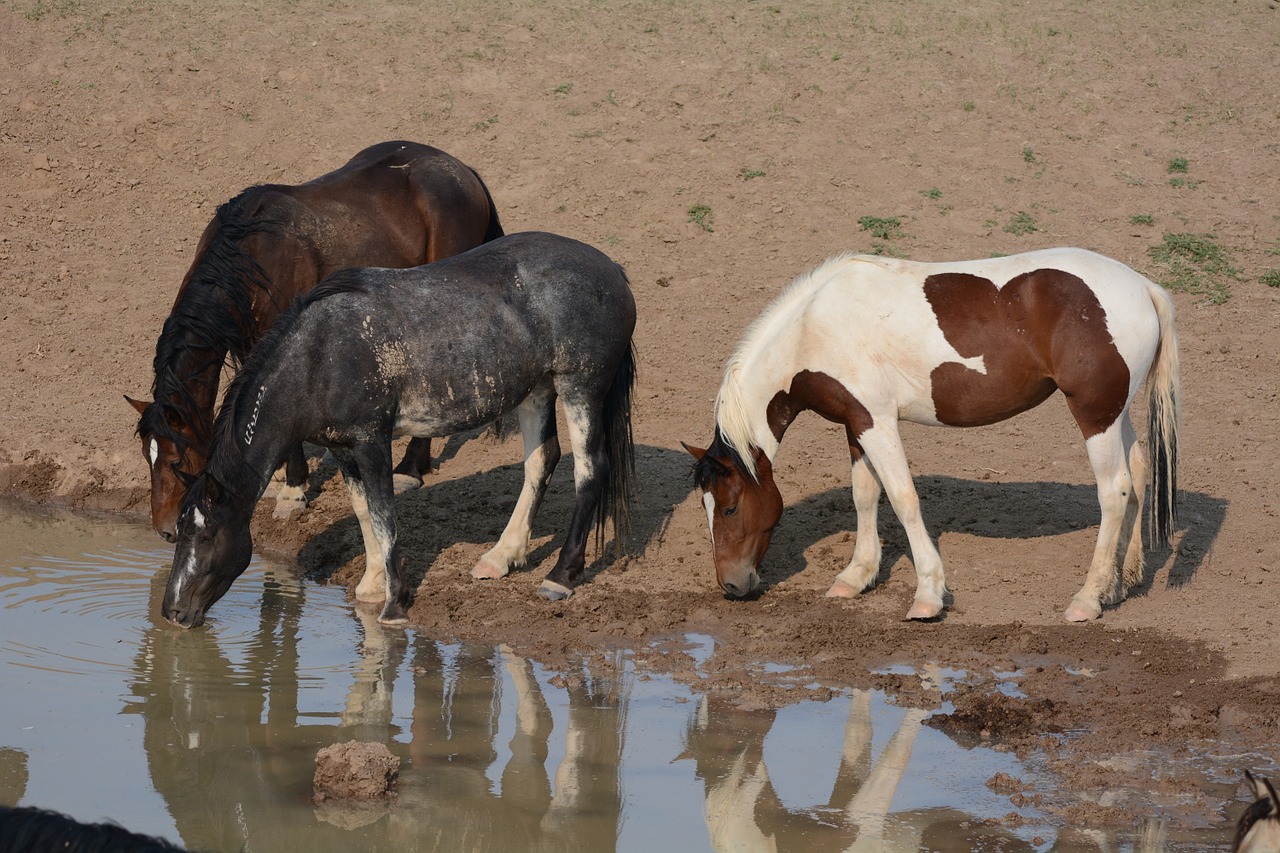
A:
x: 250, y: 444
x: 755, y: 375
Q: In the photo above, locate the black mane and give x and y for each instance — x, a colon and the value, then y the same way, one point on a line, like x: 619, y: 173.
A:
x: 715, y: 463
x: 226, y: 455
x: 213, y: 315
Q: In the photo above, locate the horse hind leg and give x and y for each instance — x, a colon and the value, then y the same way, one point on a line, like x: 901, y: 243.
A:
x: 861, y: 572
x: 414, y: 466
x: 292, y: 497
x: 590, y: 474
x: 1134, y: 560
x: 537, y: 417
x: 1108, y: 456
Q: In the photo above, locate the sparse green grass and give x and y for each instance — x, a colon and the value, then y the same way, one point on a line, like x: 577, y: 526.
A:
x: 1178, y: 165
x: 702, y: 216
x: 882, y: 227
x: 1142, y: 219
x: 1021, y: 224
x: 486, y: 123
x: 1195, y: 264
x: 969, y: 106
x: 1271, y: 278
x: 1028, y: 156
x: 933, y: 193
x: 563, y: 89
x: 748, y: 174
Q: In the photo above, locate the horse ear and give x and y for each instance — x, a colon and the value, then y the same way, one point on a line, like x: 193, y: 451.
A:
x: 139, y: 405
x: 695, y: 452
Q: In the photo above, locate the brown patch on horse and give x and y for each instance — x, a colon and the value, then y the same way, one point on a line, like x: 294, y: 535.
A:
x: 1042, y: 331
x: 818, y: 392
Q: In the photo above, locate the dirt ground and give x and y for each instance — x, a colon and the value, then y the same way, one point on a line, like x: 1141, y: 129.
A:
x: 124, y: 125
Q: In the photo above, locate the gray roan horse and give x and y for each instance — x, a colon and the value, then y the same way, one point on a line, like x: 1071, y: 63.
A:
x: 427, y: 351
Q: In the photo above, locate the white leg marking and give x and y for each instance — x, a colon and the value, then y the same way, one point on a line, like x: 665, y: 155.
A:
x: 1115, y: 490
x: 885, y: 453
x: 373, y: 584
x: 290, y: 501
x: 512, y: 548
x: 861, y: 572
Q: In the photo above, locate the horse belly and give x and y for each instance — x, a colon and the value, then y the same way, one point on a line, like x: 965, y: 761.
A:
x: 458, y: 401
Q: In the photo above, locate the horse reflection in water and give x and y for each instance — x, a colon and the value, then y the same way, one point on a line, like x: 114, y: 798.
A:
x: 744, y: 812
x: 224, y: 730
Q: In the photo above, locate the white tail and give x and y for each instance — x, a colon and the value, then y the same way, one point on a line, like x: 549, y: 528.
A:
x: 1164, y: 382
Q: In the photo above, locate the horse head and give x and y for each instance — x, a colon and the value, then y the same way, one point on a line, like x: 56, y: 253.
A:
x: 1259, y: 826
x: 214, y: 548
x: 169, y: 444
x: 742, y: 511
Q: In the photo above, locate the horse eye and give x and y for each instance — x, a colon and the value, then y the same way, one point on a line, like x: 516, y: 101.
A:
x: 730, y: 510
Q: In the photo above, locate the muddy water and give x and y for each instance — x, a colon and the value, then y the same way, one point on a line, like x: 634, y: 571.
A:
x: 208, y: 737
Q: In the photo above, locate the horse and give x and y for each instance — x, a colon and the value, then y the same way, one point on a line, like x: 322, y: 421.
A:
x: 868, y: 341
x: 395, y: 204
x: 1259, y: 828
x: 432, y: 350
x: 36, y: 830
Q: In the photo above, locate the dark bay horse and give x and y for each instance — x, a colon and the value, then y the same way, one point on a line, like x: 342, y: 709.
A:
x: 432, y: 350
x: 869, y: 341
x: 395, y: 204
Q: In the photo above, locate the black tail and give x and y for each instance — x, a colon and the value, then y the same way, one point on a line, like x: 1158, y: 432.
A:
x: 495, y: 227
x: 615, y: 503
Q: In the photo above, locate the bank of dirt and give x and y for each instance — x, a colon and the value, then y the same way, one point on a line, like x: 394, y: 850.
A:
x: 125, y: 125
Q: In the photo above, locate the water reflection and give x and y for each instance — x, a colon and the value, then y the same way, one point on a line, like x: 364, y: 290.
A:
x: 208, y: 737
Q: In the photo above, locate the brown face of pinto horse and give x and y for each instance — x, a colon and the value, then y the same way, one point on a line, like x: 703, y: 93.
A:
x: 741, y: 513
x: 172, y: 470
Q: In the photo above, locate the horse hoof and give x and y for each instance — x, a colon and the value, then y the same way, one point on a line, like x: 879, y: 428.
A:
x: 924, y: 610
x: 552, y: 591
x: 393, y: 614
x: 288, y: 507
x: 486, y: 569
x: 1081, y: 613
x: 840, y: 589
x: 405, y: 483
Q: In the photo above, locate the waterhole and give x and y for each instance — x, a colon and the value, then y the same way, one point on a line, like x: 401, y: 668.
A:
x: 208, y: 737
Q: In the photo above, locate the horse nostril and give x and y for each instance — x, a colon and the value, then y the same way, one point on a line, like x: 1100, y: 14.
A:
x: 167, y: 535
x: 731, y: 589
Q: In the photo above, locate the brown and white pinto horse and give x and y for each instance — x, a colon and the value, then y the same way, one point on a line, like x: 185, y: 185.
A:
x: 1259, y: 828
x: 868, y: 341
x: 394, y: 204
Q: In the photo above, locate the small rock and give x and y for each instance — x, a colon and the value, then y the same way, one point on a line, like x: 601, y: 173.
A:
x: 355, y: 770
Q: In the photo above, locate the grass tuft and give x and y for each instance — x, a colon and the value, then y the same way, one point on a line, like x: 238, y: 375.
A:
x: 1195, y: 264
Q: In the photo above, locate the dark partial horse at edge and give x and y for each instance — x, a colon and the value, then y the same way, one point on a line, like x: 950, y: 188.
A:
x: 395, y: 204
x: 433, y: 350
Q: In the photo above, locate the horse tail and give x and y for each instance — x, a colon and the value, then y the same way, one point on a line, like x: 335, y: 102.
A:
x: 494, y: 230
x: 615, y: 502
x: 1164, y: 405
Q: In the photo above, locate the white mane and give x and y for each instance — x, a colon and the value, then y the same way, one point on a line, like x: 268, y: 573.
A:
x: 735, y: 419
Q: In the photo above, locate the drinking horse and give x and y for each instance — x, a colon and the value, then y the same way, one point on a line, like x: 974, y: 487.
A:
x: 868, y: 341
x: 1258, y: 830
x: 432, y: 350
x: 395, y: 204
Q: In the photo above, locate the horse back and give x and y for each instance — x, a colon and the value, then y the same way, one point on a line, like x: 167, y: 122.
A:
x: 977, y: 342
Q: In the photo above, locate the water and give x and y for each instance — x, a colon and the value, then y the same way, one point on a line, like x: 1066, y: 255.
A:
x: 208, y: 737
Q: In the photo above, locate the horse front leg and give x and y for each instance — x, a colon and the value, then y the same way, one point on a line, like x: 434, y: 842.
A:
x: 366, y: 469
x: 861, y: 572
x: 292, y: 497
x: 590, y: 474
x: 414, y: 466
x: 1109, y: 459
x: 537, y: 416
x: 884, y: 450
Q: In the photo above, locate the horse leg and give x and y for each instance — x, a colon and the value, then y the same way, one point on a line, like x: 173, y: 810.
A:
x: 537, y: 415
x: 414, y: 466
x: 883, y: 446
x: 366, y: 469
x: 861, y: 572
x: 1134, y: 562
x: 292, y: 498
x: 590, y: 473
x: 1109, y: 459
